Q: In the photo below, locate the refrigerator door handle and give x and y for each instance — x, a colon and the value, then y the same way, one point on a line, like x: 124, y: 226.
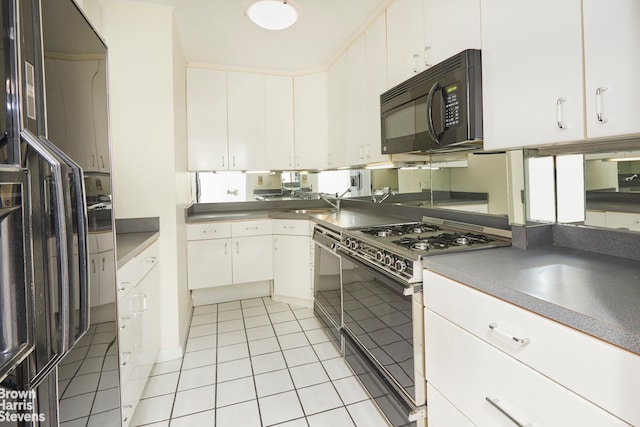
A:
x: 59, y: 215
x: 83, y: 245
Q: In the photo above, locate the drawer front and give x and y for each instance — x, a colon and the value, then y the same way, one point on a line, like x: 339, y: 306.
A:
x: 128, y: 277
x: 290, y: 227
x: 148, y: 259
x: 602, y: 373
x: 629, y: 221
x: 486, y: 384
x: 251, y: 228
x: 442, y: 413
x: 208, y: 230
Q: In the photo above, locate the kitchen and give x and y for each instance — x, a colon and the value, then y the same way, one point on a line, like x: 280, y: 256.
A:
x: 333, y: 121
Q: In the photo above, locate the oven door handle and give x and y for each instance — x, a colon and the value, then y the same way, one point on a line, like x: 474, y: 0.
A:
x: 384, y: 278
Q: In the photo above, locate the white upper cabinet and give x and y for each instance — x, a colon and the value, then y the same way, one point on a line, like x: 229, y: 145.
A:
x: 405, y: 40
x: 336, y: 86
x: 611, y: 46
x: 311, y: 121
x: 279, y: 122
x: 532, y: 73
x: 375, y: 39
x: 450, y: 26
x: 246, y: 121
x: 207, y: 119
x: 355, y: 135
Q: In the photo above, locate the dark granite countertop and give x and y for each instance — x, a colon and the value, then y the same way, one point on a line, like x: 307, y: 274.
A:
x: 593, y: 293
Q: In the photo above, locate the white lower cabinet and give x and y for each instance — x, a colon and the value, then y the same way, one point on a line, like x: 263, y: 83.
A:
x: 541, y: 371
x: 138, y: 325
x: 221, y: 254
x: 292, y: 262
x: 493, y: 389
x: 442, y: 412
x: 102, y: 268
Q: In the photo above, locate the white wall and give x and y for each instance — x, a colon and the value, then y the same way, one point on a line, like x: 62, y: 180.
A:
x: 147, y: 89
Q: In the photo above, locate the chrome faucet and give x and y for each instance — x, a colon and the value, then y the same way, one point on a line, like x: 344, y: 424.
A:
x: 336, y: 205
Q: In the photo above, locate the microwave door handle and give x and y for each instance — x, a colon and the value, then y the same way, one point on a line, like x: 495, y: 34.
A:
x: 430, y: 126
x: 83, y: 245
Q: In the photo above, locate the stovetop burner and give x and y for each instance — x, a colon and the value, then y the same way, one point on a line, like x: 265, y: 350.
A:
x: 401, y: 229
x: 441, y: 241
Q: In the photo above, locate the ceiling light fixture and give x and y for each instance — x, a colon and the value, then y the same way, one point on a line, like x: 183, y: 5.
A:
x: 272, y: 14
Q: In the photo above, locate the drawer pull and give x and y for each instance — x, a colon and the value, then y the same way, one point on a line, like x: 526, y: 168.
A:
x: 521, y: 341
x: 495, y: 404
x: 122, y: 356
x: 150, y: 260
x: 252, y: 228
x: 123, y: 286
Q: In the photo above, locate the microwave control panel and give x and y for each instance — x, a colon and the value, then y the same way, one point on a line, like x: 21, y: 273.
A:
x: 451, y: 106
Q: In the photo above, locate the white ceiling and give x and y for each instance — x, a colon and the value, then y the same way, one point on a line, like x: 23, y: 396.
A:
x: 217, y: 32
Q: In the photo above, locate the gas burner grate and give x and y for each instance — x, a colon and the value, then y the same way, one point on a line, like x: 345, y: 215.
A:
x: 401, y: 229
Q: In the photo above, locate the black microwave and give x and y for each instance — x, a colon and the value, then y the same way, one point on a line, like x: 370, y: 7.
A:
x: 439, y: 109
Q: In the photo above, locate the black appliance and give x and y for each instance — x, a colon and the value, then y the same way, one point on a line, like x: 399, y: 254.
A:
x: 439, y: 109
x: 45, y: 226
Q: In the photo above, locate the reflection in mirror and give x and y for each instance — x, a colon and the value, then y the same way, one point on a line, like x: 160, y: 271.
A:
x: 612, y: 190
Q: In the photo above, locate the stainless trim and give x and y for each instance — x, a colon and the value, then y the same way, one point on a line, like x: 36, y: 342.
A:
x: 560, y: 113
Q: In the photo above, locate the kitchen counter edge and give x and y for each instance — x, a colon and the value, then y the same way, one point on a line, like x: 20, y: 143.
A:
x: 495, y: 272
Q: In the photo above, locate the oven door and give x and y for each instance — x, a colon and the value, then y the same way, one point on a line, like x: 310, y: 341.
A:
x: 326, y: 288
x: 378, y: 323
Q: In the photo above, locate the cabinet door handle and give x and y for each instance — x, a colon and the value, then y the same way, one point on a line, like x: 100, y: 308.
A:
x: 102, y: 161
x: 222, y: 161
x: 104, y: 261
x: 415, y: 62
x: 238, y: 247
x: 234, y: 161
x: 275, y: 243
x: 125, y: 321
x: 496, y: 404
x: 426, y: 56
x: 251, y: 228
x: 93, y: 266
x: 599, y: 108
x: 560, y: 113
x: 494, y: 328
x: 150, y: 260
x: 93, y: 160
x: 225, y: 248
x: 123, y: 286
x: 122, y: 357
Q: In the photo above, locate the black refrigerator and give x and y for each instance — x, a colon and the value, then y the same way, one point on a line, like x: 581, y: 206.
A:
x: 58, y: 348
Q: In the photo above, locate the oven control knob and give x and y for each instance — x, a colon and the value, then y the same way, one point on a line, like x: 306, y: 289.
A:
x: 388, y: 260
x: 355, y: 244
x: 380, y: 256
x: 400, y: 265
x: 347, y: 242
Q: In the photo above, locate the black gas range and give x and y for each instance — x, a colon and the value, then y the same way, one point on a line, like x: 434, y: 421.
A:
x: 399, y: 248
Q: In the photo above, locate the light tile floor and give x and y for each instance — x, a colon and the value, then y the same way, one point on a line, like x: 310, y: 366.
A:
x: 88, y: 380
x: 256, y: 362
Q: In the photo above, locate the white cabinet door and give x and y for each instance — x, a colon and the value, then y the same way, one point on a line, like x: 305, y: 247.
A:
x: 311, y: 121
x: 532, y: 73
x: 355, y: 103
x: 375, y: 39
x: 450, y: 26
x: 207, y: 119
x: 107, y: 272
x: 246, y: 121
x: 405, y: 40
x: 252, y: 259
x: 291, y: 266
x: 611, y: 44
x: 336, y: 100
x: 209, y: 263
x: 101, y: 117
x: 279, y: 139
